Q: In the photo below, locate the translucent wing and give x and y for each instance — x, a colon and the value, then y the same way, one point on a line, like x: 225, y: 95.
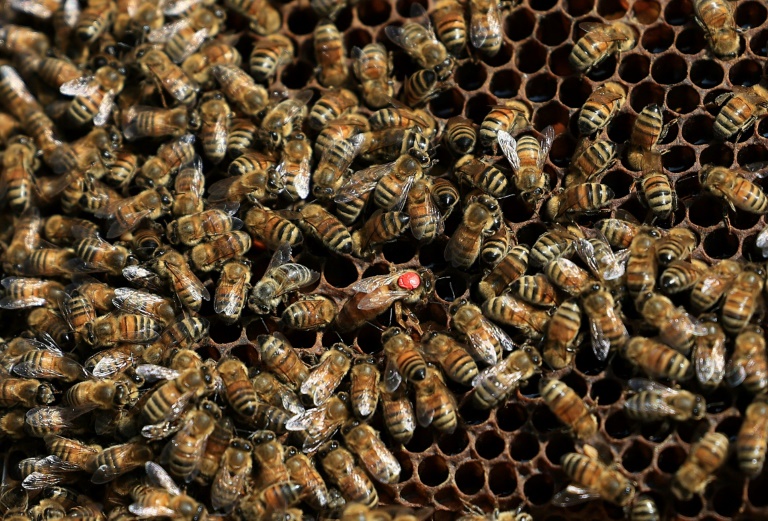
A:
x: 508, y: 146
x: 601, y: 32
x: 41, y: 480
x: 153, y: 373
x: 399, y: 202
x: 709, y: 364
x: 150, y: 511
x: 601, y: 345
x: 160, y: 477
x: 132, y: 301
x: 24, y: 301
x: 229, y: 306
x: 483, y: 346
x: 643, y: 384
x: 370, y: 284
x: 193, y: 446
x: 17, y: 85
x: 33, y: 7
x: 230, y: 481
x: 321, y: 383
x: 381, y: 299
x: 392, y: 377
x: 112, y: 364
x: 174, y: 412
x: 362, y: 182
x: 546, y: 144
x: 281, y: 256
x: 64, y: 415
x: 31, y: 369
x: 653, y: 407
x: 166, y: 32
x: 105, y: 109
x: 177, y: 89
x: 687, y: 322
x: 432, y: 211
x: 162, y: 430
x: 188, y: 280
x: 83, y: 86
x: 483, y: 26
x: 573, y: 495
x: 736, y: 372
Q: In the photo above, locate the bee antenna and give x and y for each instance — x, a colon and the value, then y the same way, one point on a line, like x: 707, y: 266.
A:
x: 265, y: 324
x: 340, y: 338
x: 450, y: 285
x: 373, y: 325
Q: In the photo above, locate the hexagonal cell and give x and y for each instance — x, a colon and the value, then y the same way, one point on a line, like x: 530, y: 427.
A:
x: 449, y: 498
x: 750, y: 14
x: 688, y: 186
x: 501, y: 58
x: 344, y: 19
x: 511, y: 416
x: 478, y: 107
x: 745, y: 73
x: 433, y: 471
x: 470, y: 477
x: 357, y: 38
x: 414, y: 493
x: 489, y: 445
x: 759, y: 43
x: 519, y: 24
x: 374, y: 12
x: 542, y: 5
x: 669, y: 69
x: 703, y: 211
x: 707, y: 73
x: 562, y: 151
x: 637, y: 457
x: 691, y: 41
x: 553, y: 29
x: 531, y: 57
x: 683, y: 99
x: 450, y: 286
x: 524, y: 446
x: 558, y: 61
x: 544, y: 421
x: 720, y: 155
x: 756, y: 491
x: 618, y: 425
x: 679, y: 159
x: 472, y: 415
x: 690, y: 508
x: 634, y: 68
x: 603, y: 71
x: 646, y: 11
x: 470, y: 76
x: 421, y: 440
x: 447, y: 104
x: 554, y: 114
x: 539, y: 489
x: 657, y: 39
x: 502, y: 479
x: 454, y: 443
x: 302, y: 20
x: 678, y: 12
x: 579, y: 7
x: 721, y: 244
x: 574, y: 92
x: 516, y: 212
x: 587, y: 363
x: 406, y: 10
x: 558, y: 446
x: 697, y: 130
x: 505, y: 84
x: 645, y: 94
x: 670, y: 459
x: 296, y: 74
x: 540, y: 88
x: 620, y: 128
x: 606, y: 391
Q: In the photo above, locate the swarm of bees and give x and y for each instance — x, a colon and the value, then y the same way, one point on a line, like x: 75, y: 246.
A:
x: 252, y: 289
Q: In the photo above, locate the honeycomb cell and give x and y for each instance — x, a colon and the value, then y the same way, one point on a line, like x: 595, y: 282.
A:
x: 691, y: 41
x: 296, y: 74
x: 687, y: 187
x: 531, y: 387
x: 300, y: 339
x: 541, y: 87
x: 669, y: 69
x: 450, y: 286
x: 646, y: 11
x: 646, y: 94
x: 502, y: 479
x: 511, y: 416
x: 756, y: 491
x: 691, y: 431
x: 750, y: 14
x: 343, y: 20
x: 542, y: 5
x: 620, y: 127
x: 374, y: 12
x: 553, y: 114
x: 562, y: 150
x: 574, y: 91
x: 454, y: 443
x: 470, y: 76
x: 721, y: 244
x: 406, y: 465
x: 690, y: 508
x: 553, y: 29
x: 489, y: 445
x: 762, y: 127
x: 618, y: 425
x: 606, y: 391
x: 579, y: 7
x: 505, y: 84
x: 705, y: 211
x: 726, y: 501
x: 697, y: 130
x: 544, y: 421
x: 678, y: 12
x: 530, y: 232
x: 406, y: 10
x: 558, y: 446
x: 637, y: 457
x: 670, y: 459
x: 679, y: 159
x: 612, y: 9
x: 524, y: 446
x: 302, y: 20
x: 414, y: 493
x: 587, y: 363
x: 519, y: 25
x: 603, y: 71
x: 433, y: 471
x: 472, y: 415
x: 421, y: 440
x: 447, y: 104
x: 750, y: 154
x: 399, y: 252
x: 759, y: 43
x: 479, y: 106
x: 729, y: 426
x: 539, y: 489
x: 719, y: 154
x: 516, y: 211
x: 470, y: 477
x: 745, y: 73
x: 634, y: 68
x: 531, y: 57
x: 706, y: 73
x: 448, y: 497
x: 357, y: 38
x: 501, y: 58
x: 657, y: 39
x: 558, y: 61
x: 683, y: 99
x: 343, y: 277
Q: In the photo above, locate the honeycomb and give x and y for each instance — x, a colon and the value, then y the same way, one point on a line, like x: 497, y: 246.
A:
x: 509, y: 456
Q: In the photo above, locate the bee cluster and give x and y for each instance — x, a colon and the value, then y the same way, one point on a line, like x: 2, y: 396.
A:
x: 491, y: 260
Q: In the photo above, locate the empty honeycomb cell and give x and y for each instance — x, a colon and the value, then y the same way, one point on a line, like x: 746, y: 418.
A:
x: 414, y: 493
x: 406, y: 465
x: 357, y: 38
x: 750, y: 154
x: 531, y: 57
x: 756, y: 491
x: 502, y: 479
x: 296, y: 74
x: 750, y: 250
x: 690, y: 508
x: 579, y: 7
x: 431, y: 255
x: 687, y: 187
x: 697, y: 130
x: 472, y: 415
x: 454, y: 443
x: 603, y: 71
x: 679, y: 159
x: 499, y: 59
x: 742, y: 220
x: 691, y: 41
x: 542, y: 5
x: 470, y: 76
x: 403, y: 66
x: 691, y: 431
x: 301, y: 339
x: 524, y: 446
x: 505, y: 84
x: 575, y: 382
x: 529, y: 233
x: 447, y: 104
x: 374, y: 12
x: 343, y: 19
x: 399, y: 252
x: 519, y: 24
x: 511, y: 416
x: 670, y: 459
x: 449, y: 286
x: 421, y: 440
x: 587, y: 363
x: 612, y: 9
x: 750, y: 14
x: 516, y: 211
x: 618, y: 425
x: 759, y: 43
x: 605, y: 391
x: 620, y: 127
x: 707, y: 73
x: 726, y: 501
x: 646, y: 11
x: 678, y: 12
x: 558, y: 446
x: 657, y: 39
x: 433, y: 471
x: 669, y: 69
x: 405, y: 9
x: 541, y: 88
x: 745, y: 73
x: 634, y: 67
x: 448, y: 497
x: 762, y: 128
x: 552, y: 114
x: 705, y: 211
x: 729, y: 426
x: 683, y: 99
x: 224, y: 334
x: 302, y: 20
x: 539, y: 489
x: 558, y: 61
x: 562, y: 150
x: 645, y: 94
x: 470, y: 477
x: 620, y: 367
x: 721, y: 244
x: 637, y: 457
x: 489, y: 445
x: 544, y: 421
x: 369, y: 339
x: 344, y: 276
x: 553, y: 29
x: 479, y: 106
x: 718, y: 154
x: 531, y: 387
x: 574, y: 91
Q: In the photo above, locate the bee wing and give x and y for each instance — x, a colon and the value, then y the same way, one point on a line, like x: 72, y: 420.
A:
x: 166, y: 32
x: 281, y: 256
x: 508, y: 146
x: 229, y: 306
x: 219, y: 191
x: 151, y: 511
x: 397, y: 35
x: 573, y: 495
x: 381, y: 299
x: 644, y: 384
x: 82, y: 86
x: 601, y: 345
x: 132, y: 300
x: 420, y: 15
x: 193, y: 44
x: 179, y: 90
x: 41, y: 480
x: 431, y: 210
x: 22, y: 302
x: 188, y: 280
x: 424, y: 413
x: 70, y: 12
x: 153, y: 373
x: 686, y: 321
x: 303, y: 421
x: 483, y: 347
x: 362, y: 182
x: 177, y: 7
x: 105, y: 109
x: 34, y: 7
x: 483, y: 25
x: 230, y: 481
x: 65, y: 415
x: 161, y: 430
x: 142, y: 277
x: 486, y: 374
x: 369, y: 284
x: 392, y: 377
x: 546, y: 144
x: 381, y: 456
x: 319, y: 386
x: 708, y: 363
x: 600, y: 33
x: 403, y: 197
x: 112, y: 364
x: 160, y: 477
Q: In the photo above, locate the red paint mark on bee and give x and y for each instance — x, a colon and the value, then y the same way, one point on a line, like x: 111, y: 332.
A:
x: 409, y: 280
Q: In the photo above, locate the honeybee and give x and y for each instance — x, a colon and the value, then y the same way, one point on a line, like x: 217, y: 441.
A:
x: 294, y: 166
x: 326, y: 228
x: 496, y: 383
x: 168, y: 401
x: 476, y: 514
x: 329, y: 55
x: 656, y: 359
x: 363, y: 441
x: 27, y: 392
x: 710, y: 288
x: 606, y: 327
x: 128, y: 213
x: 562, y: 335
x: 568, y: 276
x: 139, y: 121
x: 334, y: 162
x: 185, y: 35
x: 318, y: 424
x: 49, y: 262
x: 752, y: 439
x: 284, y: 118
x: 121, y: 168
x: 56, y: 71
x: 677, y: 244
x: 706, y: 456
x: 184, y: 452
x: 482, y: 175
x: 240, y: 88
x: 568, y: 407
x: 596, y: 253
x: 485, y: 26
x: 593, y: 480
x: 388, y: 144
x: 23, y: 293
x: 487, y: 340
x: 40, y: 473
x: 511, y: 117
x: 435, y: 404
x: 17, y: 182
x: 373, y: 68
x: 647, y: 130
x: 403, y: 359
x: 340, y: 131
x: 197, y: 67
x: 271, y: 227
x: 585, y: 198
x: 94, y: 95
x: 12, y: 425
x: 48, y: 362
x: 254, y: 184
x: 716, y: 19
x: 269, y: 54
x: 191, y: 230
x: 364, y: 387
x: 172, y: 266
x: 741, y: 298
x: 270, y: 390
x: 599, y: 42
x: 330, y: 107
x: 269, y: 454
x: 642, y: 268
x: 339, y: 465
x: 482, y: 218
x: 653, y: 402
x: 681, y: 276
x: 418, y: 39
x: 709, y: 355
x: 108, y: 394
x: 535, y: 289
x: 157, y: 65
x: 46, y: 321
x: 217, y: 443
x: 460, y: 135
x: 264, y: 18
x: 590, y: 159
x: 232, y: 291
x: 94, y: 20
x: 95, y: 254
x: 281, y: 278
x: 382, y: 227
x: 656, y: 188
x: 310, y: 313
x: 120, y: 459
x: 220, y: 249
x: 514, y: 312
x: 238, y: 389
x: 737, y: 191
x: 457, y: 364
x: 170, y: 156
x: 108, y: 330
x: 505, y: 272
x: 420, y: 87
x: 327, y: 375
x: 165, y: 499
x: 601, y: 107
x: 741, y: 108
x: 281, y: 358
x: 426, y: 221
x: 46, y: 421
x: 748, y: 364
x: 303, y: 472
